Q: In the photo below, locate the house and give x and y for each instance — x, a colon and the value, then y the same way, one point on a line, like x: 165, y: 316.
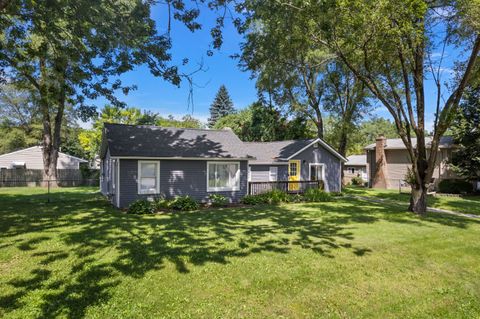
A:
x: 388, y: 162
x: 356, y: 166
x: 32, y: 158
x: 140, y: 161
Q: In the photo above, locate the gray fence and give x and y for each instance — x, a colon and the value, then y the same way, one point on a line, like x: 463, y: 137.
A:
x: 34, y: 178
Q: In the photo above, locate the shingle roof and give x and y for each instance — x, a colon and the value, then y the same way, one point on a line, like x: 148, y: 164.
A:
x: 154, y: 141
x: 357, y: 160
x: 270, y: 152
x: 397, y: 143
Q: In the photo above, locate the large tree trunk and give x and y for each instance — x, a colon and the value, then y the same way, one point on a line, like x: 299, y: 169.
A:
x: 418, y: 199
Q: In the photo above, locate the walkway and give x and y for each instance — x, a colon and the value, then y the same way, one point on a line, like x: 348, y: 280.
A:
x: 399, y: 203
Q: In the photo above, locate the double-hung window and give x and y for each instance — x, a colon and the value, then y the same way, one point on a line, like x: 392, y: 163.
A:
x: 223, y: 176
x: 273, y: 173
x: 148, y: 177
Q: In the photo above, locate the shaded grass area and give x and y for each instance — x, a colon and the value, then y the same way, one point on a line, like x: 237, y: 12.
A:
x: 468, y: 204
x: 348, y: 258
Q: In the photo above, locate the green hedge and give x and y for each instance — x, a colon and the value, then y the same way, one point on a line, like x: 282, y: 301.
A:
x: 455, y: 186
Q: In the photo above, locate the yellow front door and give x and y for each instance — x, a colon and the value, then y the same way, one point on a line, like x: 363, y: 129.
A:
x: 294, y: 175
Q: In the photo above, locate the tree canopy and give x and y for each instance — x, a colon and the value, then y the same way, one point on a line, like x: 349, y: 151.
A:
x: 221, y: 106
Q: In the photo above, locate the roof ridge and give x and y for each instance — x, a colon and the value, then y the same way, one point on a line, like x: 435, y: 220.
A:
x: 302, y: 139
x: 172, y: 127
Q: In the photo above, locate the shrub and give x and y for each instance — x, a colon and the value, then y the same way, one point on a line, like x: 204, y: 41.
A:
x: 455, y: 186
x: 183, y: 203
x: 276, y: 196
x: 253, y: 199
x: 272, y: 197
x: 358, y: 181
x: 218, y: 200
x: 141, y: 206
x: 316, y: 195
x: 161, y: 203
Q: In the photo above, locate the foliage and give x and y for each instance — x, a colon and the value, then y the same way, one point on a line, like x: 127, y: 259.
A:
x: 259, y: 122
x: 366, y: 132
x: 466, y: 131
x: 141, y: 206
x: 221, y: 106
x: 358, y: 181
x: 218, y: 200
x: 316, y: 195
x: 253, y: 200
x: 73, y: 52
x: 455, y: 186
x: 409, y: 177
x: 183, y: 203
x: 276, y: 196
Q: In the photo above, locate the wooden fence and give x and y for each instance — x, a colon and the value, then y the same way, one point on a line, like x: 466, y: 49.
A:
x: 18, y: 177
x: 292, y: 187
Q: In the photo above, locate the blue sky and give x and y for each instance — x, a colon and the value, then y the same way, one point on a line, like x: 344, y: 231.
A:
x: 159, y: 96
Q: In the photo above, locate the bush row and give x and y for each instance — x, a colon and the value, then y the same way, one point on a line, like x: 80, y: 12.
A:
x: 186, y: 203
x: 278, y: 196
x: 182, y: 203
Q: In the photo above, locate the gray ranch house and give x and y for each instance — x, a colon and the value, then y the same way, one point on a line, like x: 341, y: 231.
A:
x: 139, y: 161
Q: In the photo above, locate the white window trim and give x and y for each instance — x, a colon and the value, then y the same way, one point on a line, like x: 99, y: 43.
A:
x: 310, y: 170
x: 270, y: 174
x: 224, y: 189
x: 146, y: 192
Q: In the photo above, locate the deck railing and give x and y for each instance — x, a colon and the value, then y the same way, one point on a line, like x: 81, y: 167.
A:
x: 292, y: 187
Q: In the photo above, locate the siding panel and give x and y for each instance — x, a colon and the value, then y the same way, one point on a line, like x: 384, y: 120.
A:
x: 177, y: 178
x: 331, y: 162
x: 261, y: 173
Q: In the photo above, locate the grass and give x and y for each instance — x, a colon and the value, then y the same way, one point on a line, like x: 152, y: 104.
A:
x: 78, y: 257
x: 469, y: 204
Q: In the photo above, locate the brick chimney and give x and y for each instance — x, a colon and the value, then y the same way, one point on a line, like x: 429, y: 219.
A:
x: 380, y: 177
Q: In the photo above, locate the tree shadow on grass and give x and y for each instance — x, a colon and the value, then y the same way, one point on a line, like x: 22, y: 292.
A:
x: 88, y: 229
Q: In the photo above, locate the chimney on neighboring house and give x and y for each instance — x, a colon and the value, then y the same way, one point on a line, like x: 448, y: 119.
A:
x: 380, y: 177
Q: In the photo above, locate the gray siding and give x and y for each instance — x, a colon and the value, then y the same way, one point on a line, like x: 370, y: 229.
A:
x: 177, y: 177
x: 332, y: 166
x: 260, y: 173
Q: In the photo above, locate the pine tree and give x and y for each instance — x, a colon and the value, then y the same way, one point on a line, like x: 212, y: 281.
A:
x: 222, y: 105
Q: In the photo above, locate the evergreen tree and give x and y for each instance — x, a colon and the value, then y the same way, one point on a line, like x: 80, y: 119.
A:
x: 221, y: 106
x: 466, y: 130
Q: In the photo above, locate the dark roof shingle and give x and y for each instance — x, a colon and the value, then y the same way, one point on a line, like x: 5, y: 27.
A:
x: 154, y: 141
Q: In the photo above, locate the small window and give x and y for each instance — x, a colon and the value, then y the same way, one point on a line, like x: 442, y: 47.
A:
x: 273, y: 174
x: 223, y: 176
x: 293, y: 169
x: 352, y: 170
x: 316, y: 172
x: 148, y: 177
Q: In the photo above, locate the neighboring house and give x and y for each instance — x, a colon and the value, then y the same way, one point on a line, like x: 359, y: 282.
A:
x: 32, y: 158
x: 388, y: 162
x: 356, y: 166
x: 149, y: 161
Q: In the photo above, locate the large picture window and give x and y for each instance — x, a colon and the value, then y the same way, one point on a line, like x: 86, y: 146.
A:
x: 148, y: 177
x: 223, y: 176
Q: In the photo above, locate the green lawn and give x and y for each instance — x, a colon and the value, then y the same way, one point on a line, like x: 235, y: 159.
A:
x: 77, y: 257
x: 464, y: 204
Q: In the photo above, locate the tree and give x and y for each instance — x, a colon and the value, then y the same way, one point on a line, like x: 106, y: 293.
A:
x: 240, y: 122
x: 263, y: 123
x: 466, y: 131
x: 221, y: 106
x: 390, y: 47
x: 70, y: 52
x: 278, y: 52
x: 90, y: 139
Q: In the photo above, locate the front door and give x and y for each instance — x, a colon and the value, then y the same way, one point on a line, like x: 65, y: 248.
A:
x: 294, y: 175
